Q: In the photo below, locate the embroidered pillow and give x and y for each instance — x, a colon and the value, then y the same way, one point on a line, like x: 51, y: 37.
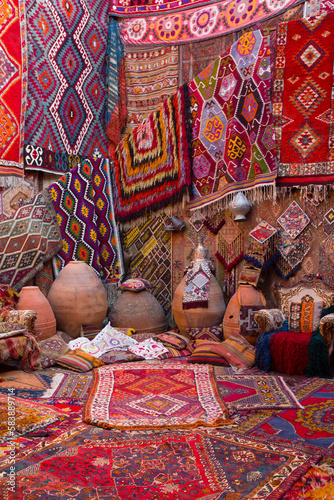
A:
x: 204, y: 353
x: 135, y: 285
x: 269, y: 320
x: 305, y: 317
x: 172, y: 339
x: 236, y: 350
x: 174, y: 353
x: 79, y: 361
x: 247, y: 324
x: 209, y: 333
x: 52, y: 349
x: 119, y: 357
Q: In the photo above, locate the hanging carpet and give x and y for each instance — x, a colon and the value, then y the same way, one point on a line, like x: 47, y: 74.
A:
x: 303, y: 101
x: 83, y: 202
x: 233, y: 134
x: 66, y: 83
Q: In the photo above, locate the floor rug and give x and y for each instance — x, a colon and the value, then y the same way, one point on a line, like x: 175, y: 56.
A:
x: 317, y: 484
x: 28, y: 385
x: 250, y: 392
x: 69, y: 384
x: 303, y: 99
x: 146, y: 466
x: 18, y: 416
x: 146, y: 396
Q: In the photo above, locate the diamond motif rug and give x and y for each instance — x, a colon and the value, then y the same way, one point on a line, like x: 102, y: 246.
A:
x: 250, y: 392
x: 303, y: 100
x: 66, y: 83
x: 233, y: 134
x: 171, y: 465
x: 263, y: 231
x: 144, y: 396
x: 27, y: 240
x: 293, y: 220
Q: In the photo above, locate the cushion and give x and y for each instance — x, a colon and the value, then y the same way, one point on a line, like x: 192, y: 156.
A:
x: 135, y: 285
x: 174, y: 353
x: 172, y: 339
x: 79, y: 361
x: 247, y: 324
x: 26, y: 318
x: 119, y: 357
x: 10, y: 329
x: 305, y: 317
x: 272, y: 319
x: 236, y: 350
x: 203, y: 353
x: 208, y: 333
x: 52, y: 349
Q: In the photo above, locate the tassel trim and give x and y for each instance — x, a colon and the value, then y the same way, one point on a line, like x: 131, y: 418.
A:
x: 231, y: 265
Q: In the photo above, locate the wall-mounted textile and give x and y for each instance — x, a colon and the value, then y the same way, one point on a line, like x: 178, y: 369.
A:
x: 83, y: 202
x: 27, y: 240
x: 152, y: 165
x: 303, y: 100
x: 130, y: 8
x: 116, y: 107
x: 13, y: 91
x: 195, y: 24
x: 151, y: 77
x: 66, y: 84
x: 233, y: 133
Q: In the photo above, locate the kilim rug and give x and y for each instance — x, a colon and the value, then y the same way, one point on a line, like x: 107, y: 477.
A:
x: 66, y: 83
x: 303, y: 100
x: 26, y: 416
x: 317, y: 483
x: 250, y: 392
x: 151, y: 77
x: 30, y: 385
x: 27, y: 240
x: 169, y: 465
x: 195, y: 24
x: 83, y: 202
x: 13, y: 198
x: 13, y: 91
x: 68, y: 384
x: 144, y: 396
x: 152, y: 165
x: 233, y: 133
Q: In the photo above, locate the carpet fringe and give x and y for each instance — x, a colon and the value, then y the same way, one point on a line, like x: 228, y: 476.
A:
x: 56, y: 381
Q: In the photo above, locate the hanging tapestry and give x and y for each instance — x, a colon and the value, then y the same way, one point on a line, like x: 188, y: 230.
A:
x: 193, y: 24
x: 197, y: 286
x: 157, y: 397
x: 215, y: 222
x: 328, y: 247
x: 12, y: 198
x: 293, y: 220
x: 151, y: 77
x: 329, y: 222
x: 84, y: 206
x: 27, y: 240
x: 66, y: 83
x: 197, y: 221
x: 230, y: 245
x: 116, y: 105
x: 233, y: 134
x: 152, y: 165
x: 314, y: 205
x: 291, y: 253
x: 13, y: 91
x: 303, y: 100
x: 261, y: 245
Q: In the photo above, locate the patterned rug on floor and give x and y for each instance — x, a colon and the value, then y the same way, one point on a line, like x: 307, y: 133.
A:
x: 250, y: 392
x: 69, y: 384
x: 146, y: 396
x: 173, y: 465
x: 29, y: 385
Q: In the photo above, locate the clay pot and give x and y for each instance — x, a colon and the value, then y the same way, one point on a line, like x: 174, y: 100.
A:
x: 31, y: 298
x: 78, y: 298
x: 138, y: 310
x: 246, y: 295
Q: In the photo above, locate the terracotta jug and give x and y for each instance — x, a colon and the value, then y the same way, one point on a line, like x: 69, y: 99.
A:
x: 199, y: 317
x: 246, y: 295
x: 31, y: 298
x: 138, y: 310
x: 78, y: 298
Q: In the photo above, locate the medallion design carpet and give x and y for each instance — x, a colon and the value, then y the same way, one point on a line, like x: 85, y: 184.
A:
x: 233, y: 133
x: 168, y: 465
x: 303, y: 100
x: 146, y: 396
x: 251, y: 392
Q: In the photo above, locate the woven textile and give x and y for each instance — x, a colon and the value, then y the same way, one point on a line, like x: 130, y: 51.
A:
x: 85, y: 213
x: 197, y: 286
x: 29, y: 416
x: 233, y: 134
x: 174, y: 465
x: 293, y: 220
x: 24, y: 349
x: 151, y: 77
x: 152, y: 166
x: 13, y: 91
x: 303, y: 99
x: 256, y: 392
x: 27, y: 240
x: 66, y: 84
x: 318, y: 482
x: 131, y: 8
x: 142, y: 395
x: 200, y: 23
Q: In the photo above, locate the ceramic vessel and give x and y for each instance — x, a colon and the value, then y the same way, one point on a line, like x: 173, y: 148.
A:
x: 138, y: 310
x: 31, y: 298
x: 78, y: 298
x: 239, y: 206
x: 199, y: 317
